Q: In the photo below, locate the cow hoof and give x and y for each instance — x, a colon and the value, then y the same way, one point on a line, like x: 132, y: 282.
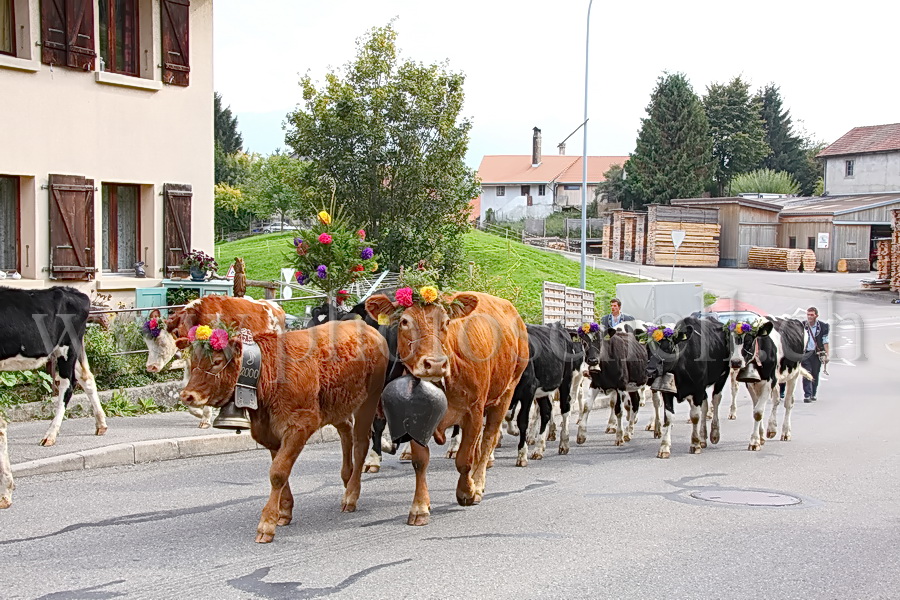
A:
x: 551, y: 437
x: 714, y: 437
x: 770, y: 434
x: 479, y: 496
x: 537, y: 456
x: 348, y: 506
x: 754, y: 447
x: 610, y: 430
x: 264, y: 538
x: 5, y: 503
x: 785, y: 437
x: 499, y: 442
x: 201, y: 426
x: 530, y: 441
x: 418, y: 519
x: 732, y: 417
x: 282, y: 521
x: 408, y: 456
x: 580, y: 439
x: 657, y: 435
x: 696, y: 449
x: 450, y: 454
x: 464, y: 499
x: 703, y: 444
x: 490, y: 464
x: 620, y: 442
x: 563, y: 450
x: 663, y: 454
x: 626, y: 437
x: 48, y: 441
x: 522, y: 462
x: 101, y: 430
x: 371, y: 468
x: 649, y: 427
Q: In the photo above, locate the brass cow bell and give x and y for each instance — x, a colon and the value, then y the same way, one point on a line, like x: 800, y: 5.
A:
x: 232, y: 417
x: 664, y: 383
x: 749, y: 374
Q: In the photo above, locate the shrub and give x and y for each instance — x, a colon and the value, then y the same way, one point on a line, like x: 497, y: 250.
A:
x: 764, y: 181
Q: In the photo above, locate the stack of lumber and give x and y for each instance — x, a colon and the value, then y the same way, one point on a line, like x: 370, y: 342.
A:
x: 781, y: 259
x: 884, y: 259
x: 895, y: 250
x: 606, y: 248
x: 701, y: 243
x: 874, y: 284
x: 617, y: 235
x: 640, y: 238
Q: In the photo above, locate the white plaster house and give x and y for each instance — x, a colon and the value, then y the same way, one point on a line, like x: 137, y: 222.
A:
x: 516, y: 186
x: 106, y: 114
x: 863, y: 161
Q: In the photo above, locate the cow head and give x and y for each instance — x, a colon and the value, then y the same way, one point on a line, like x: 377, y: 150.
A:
x: 663, y: 350
x: 213, y: 375
x: 743, y: 340
x: 160, y: 341
x: 596, y: 348
x: 422, y: 331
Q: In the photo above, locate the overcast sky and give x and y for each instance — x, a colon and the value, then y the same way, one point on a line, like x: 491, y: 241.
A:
x: 836, y: 63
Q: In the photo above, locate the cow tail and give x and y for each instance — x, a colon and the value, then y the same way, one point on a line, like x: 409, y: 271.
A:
x: 806, y: 374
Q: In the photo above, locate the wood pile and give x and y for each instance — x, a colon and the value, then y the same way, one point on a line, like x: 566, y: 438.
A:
x: 895, y: 250
x: 617, y: 235
x: 853, y: 265
x: 640, y: 239
x: 701, y: 243
x: 781, y: 259
x: 884, y: 259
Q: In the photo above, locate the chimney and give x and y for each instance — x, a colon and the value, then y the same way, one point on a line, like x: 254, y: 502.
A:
x: 562, y: 149
x: 536, y: 148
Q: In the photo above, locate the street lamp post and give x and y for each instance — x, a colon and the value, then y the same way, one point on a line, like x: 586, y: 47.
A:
x: 587, y: 39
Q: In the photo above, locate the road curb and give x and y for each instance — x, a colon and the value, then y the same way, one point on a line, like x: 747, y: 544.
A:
x: 146, y: 451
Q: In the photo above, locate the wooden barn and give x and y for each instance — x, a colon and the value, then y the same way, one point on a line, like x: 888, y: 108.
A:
x: 743, y: 224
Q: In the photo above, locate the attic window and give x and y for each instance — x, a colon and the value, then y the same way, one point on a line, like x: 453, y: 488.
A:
x: 848, y: 168
x: 501, y: 190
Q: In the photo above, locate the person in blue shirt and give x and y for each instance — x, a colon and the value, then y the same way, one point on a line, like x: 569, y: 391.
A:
x: 615, y: 315
x: 816, y: 354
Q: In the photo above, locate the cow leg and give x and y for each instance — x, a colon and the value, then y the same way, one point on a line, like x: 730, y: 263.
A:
x: 362, y: 428
x: 545, y: 414
x: 373, y: 459
x: 534, y: 422
x: 345, y: 431
x: 420, y: 511
x: 788, y: 405
x: 493, y: 418
x: 7, y: 485
x: 279, y: 472
x: 406, y: 453
x: 581, y: 436
x: 633, y: 415
x: 612, y: 424
x: 714, y: 433
x: 512, y: 426
x: 772, y: 428
x: 86, y: 379
x: 758, y: 398
x: 732, y: 412
x: 453, y: 447
x: 472, y: 426
x: 698, y: 414
x: 565, y: 409
x: 286, y: 503
x: 618, y: 408
x: 64, y: 387
x: 522, y: 418
x: 668, y: 417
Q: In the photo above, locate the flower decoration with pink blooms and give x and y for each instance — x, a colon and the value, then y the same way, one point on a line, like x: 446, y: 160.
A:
x: 419, y: 288
x: 153, y: 327
x: 206, y: 338
x: 330, y: 254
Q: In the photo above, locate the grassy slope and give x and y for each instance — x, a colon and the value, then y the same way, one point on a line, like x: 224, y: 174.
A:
x: 514, y: 270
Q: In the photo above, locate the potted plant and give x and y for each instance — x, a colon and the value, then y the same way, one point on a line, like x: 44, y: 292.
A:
x: 200, y: 264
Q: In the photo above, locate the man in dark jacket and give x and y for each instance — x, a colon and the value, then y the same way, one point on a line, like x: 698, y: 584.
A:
x: 615, y: 315
x: 816, y: 352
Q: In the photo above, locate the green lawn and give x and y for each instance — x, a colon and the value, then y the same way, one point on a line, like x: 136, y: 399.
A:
x: 508, y: 269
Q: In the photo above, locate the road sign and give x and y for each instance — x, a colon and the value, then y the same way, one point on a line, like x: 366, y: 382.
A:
x: 678, y: 237
x: 230, y: 272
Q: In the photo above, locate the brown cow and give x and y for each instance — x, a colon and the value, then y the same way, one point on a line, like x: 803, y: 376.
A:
x: 478, y: 348
x: 331, y: 374
x: 255, y: 315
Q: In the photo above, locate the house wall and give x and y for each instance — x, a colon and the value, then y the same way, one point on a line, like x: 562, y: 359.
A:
x: 757, y: 227
x: 803, y: 228
x: 572, y: 197
x: 513, y: 206
x: 871, y: 173
x: 729, y: 215
x: 113, y: 129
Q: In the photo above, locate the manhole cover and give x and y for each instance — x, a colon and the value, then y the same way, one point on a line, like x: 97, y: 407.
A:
x: 746, y: 498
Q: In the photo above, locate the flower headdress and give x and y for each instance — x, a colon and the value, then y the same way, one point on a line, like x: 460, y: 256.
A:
x: 206, y: 339
x: 420, y: 288
x: 742, y: 327
x: 657, y: 334
x: 153, y: 326
x: 587, y: 329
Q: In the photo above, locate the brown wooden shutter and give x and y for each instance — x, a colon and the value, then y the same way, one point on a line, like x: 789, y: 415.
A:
x: 67, y: 33
x: 71, y: 227
x: 176, y: 226
x: 176, y: 41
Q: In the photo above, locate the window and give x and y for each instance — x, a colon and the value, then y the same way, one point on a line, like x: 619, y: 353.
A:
x: 542, y: 190
x: 121, y: 224
x: 9, y: 223
x: 175, y: 26
x: 848, y: 168
x: 501, y: 190
x: 67, y: 33
x: 119, y: 38
x: 811, y: 243
x: 7, y: 27
x: 792, y: 242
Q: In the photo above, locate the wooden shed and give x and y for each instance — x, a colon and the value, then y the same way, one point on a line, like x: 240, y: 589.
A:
x: 743, y: 223
x: 837, y: 227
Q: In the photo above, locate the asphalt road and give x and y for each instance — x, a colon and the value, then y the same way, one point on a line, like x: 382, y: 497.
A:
x: 602, y: 522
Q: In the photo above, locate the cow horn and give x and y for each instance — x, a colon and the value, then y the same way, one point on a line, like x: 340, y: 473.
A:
x: 749, y: 374
x: 232, y: 417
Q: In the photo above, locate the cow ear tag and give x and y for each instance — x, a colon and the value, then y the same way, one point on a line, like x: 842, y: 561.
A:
x: 248, y: 378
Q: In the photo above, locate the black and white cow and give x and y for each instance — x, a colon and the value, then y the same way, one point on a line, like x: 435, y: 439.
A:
x: 554, y: 363
x: 696, y: 353
x: 616, y: 363
x: 775, y: 347
x: 39, y: 326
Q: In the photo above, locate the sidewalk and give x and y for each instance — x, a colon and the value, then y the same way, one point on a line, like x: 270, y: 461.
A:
x: 130, y: 440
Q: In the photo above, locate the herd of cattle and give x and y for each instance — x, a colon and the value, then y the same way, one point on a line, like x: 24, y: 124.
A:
x: 491, y: 366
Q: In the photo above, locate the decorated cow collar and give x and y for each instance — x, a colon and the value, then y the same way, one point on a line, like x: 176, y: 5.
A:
x: 245, y: 392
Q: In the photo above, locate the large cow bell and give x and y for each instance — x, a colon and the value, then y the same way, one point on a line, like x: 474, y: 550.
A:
x: 413, y: 408
x: 232, y: 417
x: 749, y: 374
x: 664, y: 383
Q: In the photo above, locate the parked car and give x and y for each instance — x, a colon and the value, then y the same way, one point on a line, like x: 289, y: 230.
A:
x: 274, y: 228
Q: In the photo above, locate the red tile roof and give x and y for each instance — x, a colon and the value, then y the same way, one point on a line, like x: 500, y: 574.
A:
x: 516, y: 168
x: 860, y: 140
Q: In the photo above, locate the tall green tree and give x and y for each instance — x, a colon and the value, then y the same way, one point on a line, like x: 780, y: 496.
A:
x: 811, y: 173
x: 736, y: 129
x: 786, y: 147
x: 228, y: 142
x: 281, y: 185
x: 388, y: 133
x: 672, y: 152
x: 614, y: 186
